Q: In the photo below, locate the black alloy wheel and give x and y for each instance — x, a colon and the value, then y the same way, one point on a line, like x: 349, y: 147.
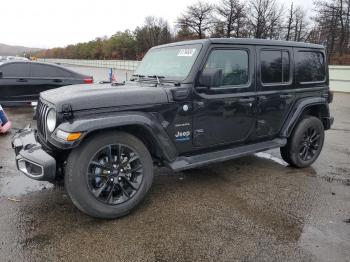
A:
x: 115, y: 174
x: 309, y: 144
x: 305, y: 143
x: 109, y: 174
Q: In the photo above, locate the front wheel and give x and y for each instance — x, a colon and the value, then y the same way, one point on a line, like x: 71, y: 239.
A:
x: 109, y: 174
x: 305, y: 144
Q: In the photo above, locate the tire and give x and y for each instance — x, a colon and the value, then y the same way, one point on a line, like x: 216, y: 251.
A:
x: 101, y: 194
x: 305, y: 143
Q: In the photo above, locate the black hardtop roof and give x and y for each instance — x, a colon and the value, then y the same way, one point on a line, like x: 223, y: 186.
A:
x: 245, y: 41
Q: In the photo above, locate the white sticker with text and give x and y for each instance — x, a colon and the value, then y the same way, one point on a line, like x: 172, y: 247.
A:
x: 186, y: 52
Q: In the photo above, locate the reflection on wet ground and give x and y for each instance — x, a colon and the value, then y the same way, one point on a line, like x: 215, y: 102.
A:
x: 18, y: 186
x: 254, y: 208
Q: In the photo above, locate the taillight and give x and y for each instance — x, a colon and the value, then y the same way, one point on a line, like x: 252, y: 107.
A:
x: 329, y: 96
x: 88, y: 80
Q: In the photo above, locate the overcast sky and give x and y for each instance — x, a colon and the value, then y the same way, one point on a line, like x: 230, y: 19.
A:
x: 51, y: 23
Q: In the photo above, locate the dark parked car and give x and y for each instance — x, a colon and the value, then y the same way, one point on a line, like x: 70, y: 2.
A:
x: 190, y: 104
x: 22, y: 81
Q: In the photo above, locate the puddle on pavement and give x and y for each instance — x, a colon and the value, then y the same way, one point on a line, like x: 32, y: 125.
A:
x: 18, y: 185
x: 326, y: 242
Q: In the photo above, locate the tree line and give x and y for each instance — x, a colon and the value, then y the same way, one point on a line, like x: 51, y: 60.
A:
x: 327, y: 24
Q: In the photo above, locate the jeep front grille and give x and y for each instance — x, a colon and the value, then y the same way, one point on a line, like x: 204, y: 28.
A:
x: 41, y: 112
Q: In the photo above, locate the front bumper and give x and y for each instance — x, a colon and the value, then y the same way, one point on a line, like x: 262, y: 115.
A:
x: 31, y: 159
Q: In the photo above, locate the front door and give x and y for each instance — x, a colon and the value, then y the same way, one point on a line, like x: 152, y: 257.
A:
x: 275, y: 89
x: 225, y: 114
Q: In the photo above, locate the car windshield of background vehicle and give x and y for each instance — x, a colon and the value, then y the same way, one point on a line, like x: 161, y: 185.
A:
x: 311, y: 67
x: 172, y: 63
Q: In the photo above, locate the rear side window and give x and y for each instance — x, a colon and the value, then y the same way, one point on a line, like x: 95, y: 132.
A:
x: 275, y: 66
x: 234, y: 65
x: 15, y: 70
x: 40, y: 70
x: 311, y: 66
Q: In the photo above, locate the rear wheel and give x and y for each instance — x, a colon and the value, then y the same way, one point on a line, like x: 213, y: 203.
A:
x: 109, y: 174
x: 305, y: 144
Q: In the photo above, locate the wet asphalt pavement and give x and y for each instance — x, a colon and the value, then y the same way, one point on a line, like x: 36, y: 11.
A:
x: 255, y: 208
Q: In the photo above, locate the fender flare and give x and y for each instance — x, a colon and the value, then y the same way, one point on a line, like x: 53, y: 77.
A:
x: 297, y: 111
x: 148, y: 121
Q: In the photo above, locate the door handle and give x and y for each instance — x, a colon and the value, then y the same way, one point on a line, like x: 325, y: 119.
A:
x: 198, y: 105
x: 57, y: 80
x: 286, y: 96
x: 262, y: 98
x: 21, y: 80
x: 247, y: 100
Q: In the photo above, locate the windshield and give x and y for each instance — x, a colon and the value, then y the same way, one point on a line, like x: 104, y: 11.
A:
x: 174, y: 62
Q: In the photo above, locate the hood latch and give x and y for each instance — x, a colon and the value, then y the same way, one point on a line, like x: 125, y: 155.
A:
x: 67, y: 111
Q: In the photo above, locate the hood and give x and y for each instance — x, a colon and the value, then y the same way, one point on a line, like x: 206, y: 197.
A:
x: 83, y: 97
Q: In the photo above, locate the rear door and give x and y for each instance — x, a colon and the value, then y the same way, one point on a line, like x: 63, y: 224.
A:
x: 275, y: 84
x: 14, y: 83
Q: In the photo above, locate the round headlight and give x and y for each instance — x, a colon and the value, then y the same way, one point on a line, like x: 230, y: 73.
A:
x: 51, y: 120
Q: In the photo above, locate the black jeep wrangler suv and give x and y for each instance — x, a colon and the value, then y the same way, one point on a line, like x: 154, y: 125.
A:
x: 189, y: 104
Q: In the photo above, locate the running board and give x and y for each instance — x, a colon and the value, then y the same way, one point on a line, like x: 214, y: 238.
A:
x: 187, y: 162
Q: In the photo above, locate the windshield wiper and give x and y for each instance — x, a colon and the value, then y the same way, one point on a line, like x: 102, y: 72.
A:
x: 138, y: 77
x: 157, y: 77
x: 160, y: 79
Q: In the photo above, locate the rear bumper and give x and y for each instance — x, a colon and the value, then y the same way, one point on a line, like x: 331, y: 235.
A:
x: 31, y: 159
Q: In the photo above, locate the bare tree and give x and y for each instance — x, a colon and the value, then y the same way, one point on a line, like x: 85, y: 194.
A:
x: 332, y: 22
x: 184, y: 33
x: 265, y: 18
x: 297, y: 25
x: 155, y: 31
x: 301, y: 25
x: 219, y: 29
x: 198, y: 18
x: 231, y: 16
x: 343, y: 13
x: 290, y: 22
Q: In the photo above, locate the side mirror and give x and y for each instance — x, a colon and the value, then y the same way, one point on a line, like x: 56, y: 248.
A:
x: 210, y: 77
x: 1, y: 74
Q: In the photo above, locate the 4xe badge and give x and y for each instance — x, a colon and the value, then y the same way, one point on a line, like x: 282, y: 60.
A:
x: 181, y: 136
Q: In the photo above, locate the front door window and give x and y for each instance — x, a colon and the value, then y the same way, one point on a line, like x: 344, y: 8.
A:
x: 234, y: 65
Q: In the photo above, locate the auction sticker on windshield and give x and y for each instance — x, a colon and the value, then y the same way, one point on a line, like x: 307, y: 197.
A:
x: 186, y: 52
